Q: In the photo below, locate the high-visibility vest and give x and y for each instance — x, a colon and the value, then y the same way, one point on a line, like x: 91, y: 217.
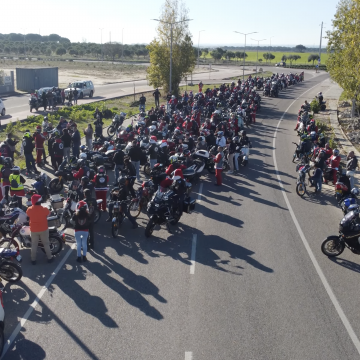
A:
x: 17, y: 179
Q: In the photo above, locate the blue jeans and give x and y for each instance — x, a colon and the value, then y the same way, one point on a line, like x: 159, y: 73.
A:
x: 152, y: 163
x: 142, y: 107
x: 317, y: 183
x: 117, y: 170
x: 81, y: 242
x: 137, y: 168
x: 76, y: 150
x: 30, y: 162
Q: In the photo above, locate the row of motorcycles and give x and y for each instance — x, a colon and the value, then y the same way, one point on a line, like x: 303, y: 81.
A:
x: 346, y: 197
x: 272, y: 86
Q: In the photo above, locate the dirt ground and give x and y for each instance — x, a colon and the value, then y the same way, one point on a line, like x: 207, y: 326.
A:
x: 101, y: 73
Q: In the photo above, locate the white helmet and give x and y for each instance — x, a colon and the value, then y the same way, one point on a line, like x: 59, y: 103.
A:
x: 106, y: 143
x: 83, y: 156
x: 173, y: 158
x: 152, y: 128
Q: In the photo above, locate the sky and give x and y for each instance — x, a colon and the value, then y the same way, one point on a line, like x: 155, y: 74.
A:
x: 287, y: 23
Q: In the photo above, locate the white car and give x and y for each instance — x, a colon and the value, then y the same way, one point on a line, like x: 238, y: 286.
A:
x: 84, y: 88
x: 2, y: 108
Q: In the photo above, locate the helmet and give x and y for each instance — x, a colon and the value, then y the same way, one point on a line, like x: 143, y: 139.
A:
x: 236, y: 139
x: 15, y: 168
x: 355, y: 191
x: 87, y: 192
x: 7, y: 161
x: 27, y: 134
x: 201, y: 138
x: 82, y: 206
x: 336, y: 152
x: 82, y: 147
x: 45, y: 118
x: 186, y: 153
x: 321, y: 154
x: 36, y: 199
x: 152, y: 128
x: 152, y: 141
x: 38, y: 128
x: 313, y: 134
x: 312, y: 121
x: 122, y: 180
x: 303, y: 137
x: 106, y: 143
x: 177, y: 131
x: 177, y: 174
x: 163, y: 144
x: 81, y: 162
x: 173, y: 158
x: 220, y: 133
x: 83, y: 156
x: 153, y: 138
x: 122, y: 114
x: 101, y: 170
x: 85, y: 180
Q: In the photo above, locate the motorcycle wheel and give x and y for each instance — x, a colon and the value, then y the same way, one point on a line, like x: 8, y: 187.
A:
x: 294, y: 157
x: 115, y: 229
x: 150, y: 227
x: 10, y: 271
x: 55, y: 185
x: 147, y: 169
x: 111, y: 130
x: 97, y: 215
x: 176, y: 218
x: 63, y: 223
x: 332, y: 247
x: 245, y: 162
x: 226, y: 166
x: 301, y: 189
x: 211, y: 168
x: 8, y: 243
x: 135, y: 208
x: 56, y: 244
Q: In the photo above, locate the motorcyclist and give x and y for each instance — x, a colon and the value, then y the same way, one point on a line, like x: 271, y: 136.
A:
x: 312, y: 127
x: 101, y: 181
x: 320, y: 98
x: 305, y: 146
x: 153, y: 151
x: 244, y: 140
x: 40, y: 186
x: 118, y: 160
x: 201, y: 144
x: 84, y: 170
x: 163, y: 154
x: 39, y: 145
x: 334, y: 163
x: 189, y: 141
x: 328, y: 151
x: 120, y: 194
x: 221, y: 141
x: 351, y: 165
x: 91, y: 203
x: 179, y: 187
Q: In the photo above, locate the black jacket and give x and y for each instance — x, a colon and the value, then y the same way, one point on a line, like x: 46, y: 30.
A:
x: 91, y: 202
x: 153, y: 151
x: 28, y: 145
x: 135, y: 153
x: 130, y: 169
x: 66, y: 139
x: 352, y: 164
x: 119, y: 158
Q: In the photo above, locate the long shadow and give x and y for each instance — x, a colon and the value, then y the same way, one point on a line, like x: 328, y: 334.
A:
x: 346, y: 264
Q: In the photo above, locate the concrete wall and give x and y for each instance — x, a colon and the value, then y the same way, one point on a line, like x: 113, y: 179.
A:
x: 8, y: 88
x: 30, y: 79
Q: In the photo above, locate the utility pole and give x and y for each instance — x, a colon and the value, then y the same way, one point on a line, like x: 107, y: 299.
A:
x: 102, y: 53
x: 257, y: 52
x: 199, y: 47
x: 110, y: 36
x: 245, y: 50
x: 122, y: 45
x: 320, y: 41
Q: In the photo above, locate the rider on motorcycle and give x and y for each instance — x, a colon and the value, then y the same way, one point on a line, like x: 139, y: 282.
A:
x: 83, y: 168
x: 334, y: 163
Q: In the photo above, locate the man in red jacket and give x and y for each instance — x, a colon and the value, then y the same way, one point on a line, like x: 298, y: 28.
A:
x: 39, y: 144
x: 334, y: 163
x: 219, y: 166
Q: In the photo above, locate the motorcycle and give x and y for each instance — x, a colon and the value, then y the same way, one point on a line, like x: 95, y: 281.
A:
x: 10, y: 269
x: 64, y: 175
x: 116, y: 124
x: 300, y: 181
x: 34, y: 103
x: 142, y: 198
x: 349, y: 233
x: 243, y: 158
x: 161, y: 210
x: 118, y: 218
x: 207, y: 158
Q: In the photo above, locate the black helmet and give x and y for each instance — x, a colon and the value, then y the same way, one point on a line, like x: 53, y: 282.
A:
x: 119, y: 146
x: 85, y: 179
x: 122, y: 181
x: 7, y: 161
x: 87, y: 192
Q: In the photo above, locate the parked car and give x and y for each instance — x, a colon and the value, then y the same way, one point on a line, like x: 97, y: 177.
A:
x: 84, y: 87
x: 2, y: 108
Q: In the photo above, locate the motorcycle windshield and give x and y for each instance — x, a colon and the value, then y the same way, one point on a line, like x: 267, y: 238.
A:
x: 348, y: 217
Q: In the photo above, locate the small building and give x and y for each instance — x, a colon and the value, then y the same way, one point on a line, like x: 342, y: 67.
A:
x: 31, y: 79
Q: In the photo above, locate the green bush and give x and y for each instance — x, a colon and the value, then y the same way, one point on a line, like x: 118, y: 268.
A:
x: 315, y: 106
x: 322, y: 127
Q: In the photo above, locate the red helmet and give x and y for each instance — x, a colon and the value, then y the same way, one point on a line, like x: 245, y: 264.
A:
x: 153, y: 138
x: 178, y: 174
x: 38, y: 127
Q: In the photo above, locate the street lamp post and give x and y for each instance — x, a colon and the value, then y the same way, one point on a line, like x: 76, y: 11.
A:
x: 102, y: 52
x: 171, y: 40
x: 122, y: 45
x: 257, y: 52
x: 245, y: 50
x: 199, y: 47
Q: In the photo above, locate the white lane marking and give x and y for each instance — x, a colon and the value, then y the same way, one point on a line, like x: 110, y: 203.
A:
x: 322, y: 277
x: 200, y: 192
x: 193, y: 254
x: 35, y: 302
x: 188, y: 355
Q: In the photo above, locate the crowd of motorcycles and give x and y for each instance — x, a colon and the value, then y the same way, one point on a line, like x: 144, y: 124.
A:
x: 313, y: 149
x: 186, y: 135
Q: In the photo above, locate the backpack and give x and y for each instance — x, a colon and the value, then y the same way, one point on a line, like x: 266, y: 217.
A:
x: 14, y: 184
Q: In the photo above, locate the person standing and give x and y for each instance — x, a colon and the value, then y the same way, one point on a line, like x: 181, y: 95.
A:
x: 58, y: 151
x: 153, y: 151
x: 76, y: 141
x: 39, y: 145
x: 157, y: 95
x: 351, y: 165
x: 135, y: 154
x: 44, y: 100
x: 66, y: 139
x: 82, y: 222
x: 232, y: 147
x: 101, y: 181
x: 11, y: 143
x: 88, y: 136
x: 70, y: 96
x: 219, y: 165
x: 17, y: 184
x: 118, y: 160
x: 75, y: 93
x: 50, y: 99
x: 39, y: 227
x: 91, y: 203
x: 142, y: 101
x: 63, y: 97
x: 237, y: 152
x: 27, y: 148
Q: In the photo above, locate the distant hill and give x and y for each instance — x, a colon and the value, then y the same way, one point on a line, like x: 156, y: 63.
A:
x: 34, y: 37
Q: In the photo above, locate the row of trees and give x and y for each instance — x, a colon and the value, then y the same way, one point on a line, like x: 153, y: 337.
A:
x: 14, y: 37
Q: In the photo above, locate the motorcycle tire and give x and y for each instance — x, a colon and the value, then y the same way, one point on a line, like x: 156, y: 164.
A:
x: 115, y: 229
x: 97, y: 215
x: 111, y: 130
x: 56, y: 244
x: 226, y: 166
x: 63, y: 223
x: 147, y: 169
x: 245, y: 162
x: 150, y: 227
x: 10, y: 271
x: 211, y: 168
x: 134, y: 208
x: 8, y: 243
x: 301, y: 189
x: 338, y: 247
x: 56, y: 186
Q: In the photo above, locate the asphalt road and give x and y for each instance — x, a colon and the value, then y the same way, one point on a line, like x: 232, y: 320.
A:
x: 17, y: 107
x: 234, y: 280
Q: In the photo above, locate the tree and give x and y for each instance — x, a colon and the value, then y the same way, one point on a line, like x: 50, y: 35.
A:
x: 313, y: 57
x: 224, y: 55
x: 300, y: 48
x: 48, y: 51
x: 215, y: 55
x: 231, y: 55
x: 237, y: 55
x: 268, y: 56
x: 344, y: 48
x: 284, y: 58
x: 296, y: 57
x: 60, y: 51
x: 183, y: 57
x: 112, y: 50
x: 242, y: 55
x: 205, y: 52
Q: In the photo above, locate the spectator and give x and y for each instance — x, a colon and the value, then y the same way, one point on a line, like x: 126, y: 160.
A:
x: 135, y: 154
x: 219, y: 165
x: 50, y: 98
x: 142, y: 101
x: 82, y: 224
x: 70, y: 96
x: 157, y: 95
x: 39, y: 145
x: 39, y: 227
x: 63, y: 96
x: 44, y: 100
x: 76, y: 141
x: 351, y: 166
x: 75, y: 93
x: 27, y: 148
x: 88, y: 136
x: 11, y: 144
x: 66, y: 139
x: 17, y: 184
